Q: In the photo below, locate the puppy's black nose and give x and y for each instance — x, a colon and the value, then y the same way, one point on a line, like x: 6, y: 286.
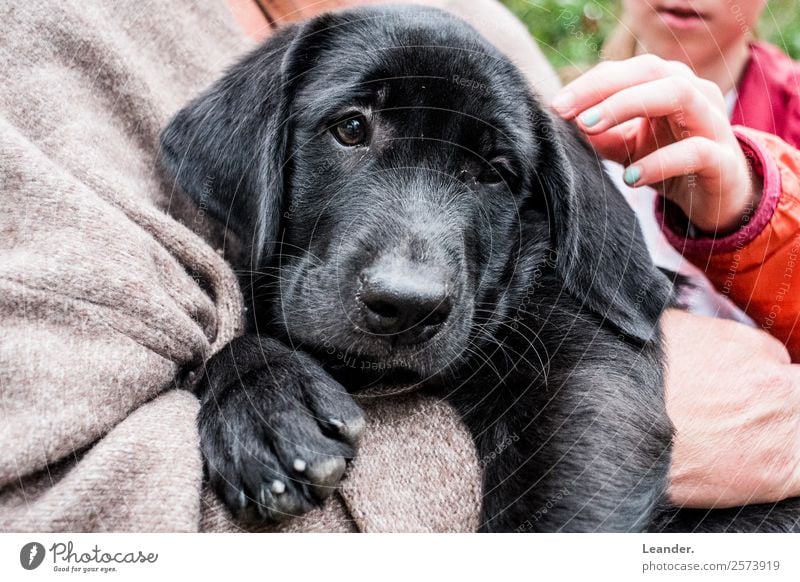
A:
x: 409, y: 303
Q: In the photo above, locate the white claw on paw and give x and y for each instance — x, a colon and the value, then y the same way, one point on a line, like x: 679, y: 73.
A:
x: 277, y: 487
x: 324, y: 476
x: 353, y: 429
x: 299, y: 465
x: 262, y: 504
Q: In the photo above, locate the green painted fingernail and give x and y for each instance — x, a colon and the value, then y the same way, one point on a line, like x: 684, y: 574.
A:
x: 632, y: 175
x: 591, y: 117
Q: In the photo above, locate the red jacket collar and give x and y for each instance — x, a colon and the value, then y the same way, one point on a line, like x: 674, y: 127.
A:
x: 769, y: 94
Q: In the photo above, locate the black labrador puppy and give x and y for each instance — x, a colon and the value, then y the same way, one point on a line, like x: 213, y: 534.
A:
x: 411, y: 213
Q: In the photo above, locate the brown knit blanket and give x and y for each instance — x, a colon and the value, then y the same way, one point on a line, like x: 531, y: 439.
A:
x: 114, y: 291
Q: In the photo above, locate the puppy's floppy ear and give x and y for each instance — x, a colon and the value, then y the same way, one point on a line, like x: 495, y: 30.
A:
x: 600, y: 251
x: 227, y: 148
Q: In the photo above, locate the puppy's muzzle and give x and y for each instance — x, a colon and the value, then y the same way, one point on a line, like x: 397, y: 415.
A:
x: 405, y: 301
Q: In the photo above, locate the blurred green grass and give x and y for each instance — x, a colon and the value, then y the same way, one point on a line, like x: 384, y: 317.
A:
x: 571, y: 32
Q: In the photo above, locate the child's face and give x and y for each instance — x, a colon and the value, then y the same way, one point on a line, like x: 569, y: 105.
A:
x: 692, y: 31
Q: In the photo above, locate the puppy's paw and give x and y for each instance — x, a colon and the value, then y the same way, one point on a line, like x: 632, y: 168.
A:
x: 276, y: 430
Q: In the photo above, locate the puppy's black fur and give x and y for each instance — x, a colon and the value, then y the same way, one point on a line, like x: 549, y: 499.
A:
x: 411, y: 213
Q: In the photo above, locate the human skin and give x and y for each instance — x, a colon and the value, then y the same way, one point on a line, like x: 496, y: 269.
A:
x: 734, y: 400
x: 732, y: 393
x: 714, y: 44
x: 669, y: 128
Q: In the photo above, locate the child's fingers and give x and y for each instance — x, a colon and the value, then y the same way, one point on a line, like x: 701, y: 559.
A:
x: 618, y: 143
x: 610, y: 77
x: 676, y: 98
x: 694, y: 155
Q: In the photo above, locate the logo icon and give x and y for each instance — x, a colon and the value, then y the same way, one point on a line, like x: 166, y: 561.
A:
x: 31, y: 555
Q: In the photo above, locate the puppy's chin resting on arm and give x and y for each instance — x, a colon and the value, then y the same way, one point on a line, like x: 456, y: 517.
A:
x: 411, y: 214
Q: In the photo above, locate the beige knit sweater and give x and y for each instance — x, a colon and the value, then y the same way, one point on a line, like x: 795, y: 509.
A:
x: 114, y: 290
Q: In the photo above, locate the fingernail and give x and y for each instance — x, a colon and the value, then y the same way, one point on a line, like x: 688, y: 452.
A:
x: 299, y: 465
x: 564, y: 102
x: 632, y: 175
x: 591, y: 117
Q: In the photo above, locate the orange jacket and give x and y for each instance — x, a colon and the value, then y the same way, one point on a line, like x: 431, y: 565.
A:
x: 758, y: 267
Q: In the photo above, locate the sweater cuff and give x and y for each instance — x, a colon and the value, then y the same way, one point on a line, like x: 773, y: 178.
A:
x: 676, y: 226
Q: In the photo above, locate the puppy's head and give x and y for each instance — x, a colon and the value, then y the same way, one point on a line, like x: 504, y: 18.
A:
x: 384, y: 164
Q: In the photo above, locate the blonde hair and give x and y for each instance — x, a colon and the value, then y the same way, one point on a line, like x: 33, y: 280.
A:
x: 620, y: 44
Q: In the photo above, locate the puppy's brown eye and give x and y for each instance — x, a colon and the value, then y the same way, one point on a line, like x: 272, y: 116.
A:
x: 496, y: 171
x: 490, y: 176
x: 352, y: 131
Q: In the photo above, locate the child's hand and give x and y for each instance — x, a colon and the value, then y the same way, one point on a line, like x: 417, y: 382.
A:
x: 669, y: 128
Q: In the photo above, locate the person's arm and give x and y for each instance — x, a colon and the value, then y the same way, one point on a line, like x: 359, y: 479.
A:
x: 758, y: 266
x: 739, y: 187
x: 669, y: 128
x: 736, y: 423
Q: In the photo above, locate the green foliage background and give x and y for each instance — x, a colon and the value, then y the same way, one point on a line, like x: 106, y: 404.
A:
x: 571, y: 32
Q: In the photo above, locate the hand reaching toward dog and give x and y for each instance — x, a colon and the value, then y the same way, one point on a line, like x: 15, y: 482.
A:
x: 737, y: 423
x: 734, y: 399
x: 669, y: 128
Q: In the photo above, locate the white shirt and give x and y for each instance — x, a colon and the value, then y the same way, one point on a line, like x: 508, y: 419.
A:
x: 704, y: 300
